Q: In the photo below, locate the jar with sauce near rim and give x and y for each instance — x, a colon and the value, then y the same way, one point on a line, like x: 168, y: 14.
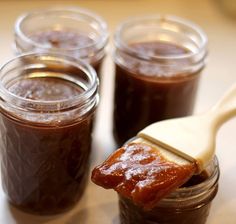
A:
x: 73, y: 31
x: 47, y: 107
x: 158, y: 62
x: 189, y: 204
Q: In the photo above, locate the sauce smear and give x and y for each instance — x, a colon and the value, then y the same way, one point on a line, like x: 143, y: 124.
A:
x: 139, y: 172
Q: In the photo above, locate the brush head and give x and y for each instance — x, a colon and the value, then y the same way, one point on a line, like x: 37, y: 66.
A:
x: 168, y: 155
x: 190, y: 138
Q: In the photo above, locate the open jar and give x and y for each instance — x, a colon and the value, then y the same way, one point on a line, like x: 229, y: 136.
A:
x: 46, y: 116
x: 187, y: 204
x: 73, y: 31
x: 158, y: 64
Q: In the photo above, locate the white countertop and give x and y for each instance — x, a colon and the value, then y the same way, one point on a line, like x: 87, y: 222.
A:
x: 99, y: 205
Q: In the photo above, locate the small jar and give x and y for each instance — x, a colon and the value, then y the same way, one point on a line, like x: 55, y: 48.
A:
x: 47, y: 107
x: 188, y: 204
x: 158, y: 64
x: 73, y: 31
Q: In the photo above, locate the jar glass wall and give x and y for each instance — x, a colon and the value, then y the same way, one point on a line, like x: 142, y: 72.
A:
x: 158, y: 64
x: 46, y: 116
x: 73, y: 31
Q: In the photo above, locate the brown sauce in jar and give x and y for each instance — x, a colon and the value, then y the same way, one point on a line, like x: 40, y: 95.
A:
x: 44, y: 163
x: 196, y: 179
x: 146, y: 92
x: 141, y: 174
x: 67, y: 40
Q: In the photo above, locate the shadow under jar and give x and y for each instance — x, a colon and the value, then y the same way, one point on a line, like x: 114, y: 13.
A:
x: 73, y: 31
x: 46, y: 117
x: 187, y: 204
x: 158, y: 64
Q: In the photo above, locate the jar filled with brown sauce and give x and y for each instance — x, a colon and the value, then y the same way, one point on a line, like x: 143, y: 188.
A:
x: 188, y: 204
x: 156, y: 189
x: 158, y: 62
x: 73, y: 31
x: 46, y: 116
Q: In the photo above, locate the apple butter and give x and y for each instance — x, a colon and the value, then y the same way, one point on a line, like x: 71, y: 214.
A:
x: 46, y: 120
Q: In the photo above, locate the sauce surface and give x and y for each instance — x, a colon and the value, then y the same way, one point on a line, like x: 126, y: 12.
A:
x: 78, y: 44
x: 45, y: 89
x: 159, y: 48
x: 62, y: 39
x: 162, y: 69
x: 140, y: 173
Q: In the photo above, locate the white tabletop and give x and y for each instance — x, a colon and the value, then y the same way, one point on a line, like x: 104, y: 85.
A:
x: 99, y: 205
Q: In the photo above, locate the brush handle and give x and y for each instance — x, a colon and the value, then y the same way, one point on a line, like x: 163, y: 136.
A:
x: 193, y: 137
x: 223, y: 110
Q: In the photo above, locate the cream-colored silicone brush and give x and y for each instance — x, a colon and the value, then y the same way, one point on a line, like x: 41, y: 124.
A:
x: 191, y: 138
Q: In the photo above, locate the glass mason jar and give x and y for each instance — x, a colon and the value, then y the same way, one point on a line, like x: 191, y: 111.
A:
x: 47, y: 107
x: 158, y: 64
x: 188, y: 204
x: 72, y: 31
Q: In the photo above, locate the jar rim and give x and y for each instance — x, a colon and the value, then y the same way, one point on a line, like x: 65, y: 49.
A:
x: 77, y: 100
x: 79, y: 12
x: 121, y: 45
